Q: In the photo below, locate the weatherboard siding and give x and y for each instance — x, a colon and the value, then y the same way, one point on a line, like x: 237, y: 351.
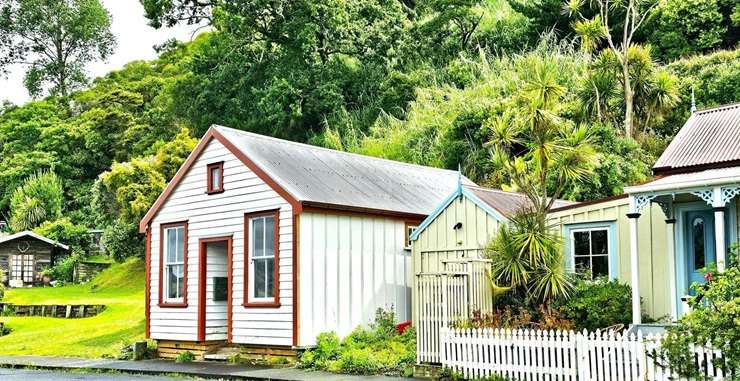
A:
x: 439, y: 241
x: 653, y: 252
x: 350, y: 266
x: 223, y: 215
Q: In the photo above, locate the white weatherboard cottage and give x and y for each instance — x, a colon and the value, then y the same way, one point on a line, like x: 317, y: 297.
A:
x: 264, y: 242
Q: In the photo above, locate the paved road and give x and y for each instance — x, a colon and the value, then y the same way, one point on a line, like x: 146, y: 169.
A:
x: 46, y: 375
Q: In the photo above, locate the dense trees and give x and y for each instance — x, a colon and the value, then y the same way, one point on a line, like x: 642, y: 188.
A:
x: 54, y: 40
x: 430, y: 82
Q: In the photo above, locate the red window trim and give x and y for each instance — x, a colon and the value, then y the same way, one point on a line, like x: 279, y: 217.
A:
x: 162, y: 303
x: 276, y: 268
x: 209, y: 178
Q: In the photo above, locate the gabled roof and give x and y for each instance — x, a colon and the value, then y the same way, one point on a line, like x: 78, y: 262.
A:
x: 309, y: 176
x: 28, y: 233
x: 497, y: 203
x: 709, y: 139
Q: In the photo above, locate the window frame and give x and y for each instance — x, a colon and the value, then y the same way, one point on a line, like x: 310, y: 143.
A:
x: 250, y: 301
x: 165, y: 302
x: 591, y: 255
x: 209, y: 177
x: 407, y: 234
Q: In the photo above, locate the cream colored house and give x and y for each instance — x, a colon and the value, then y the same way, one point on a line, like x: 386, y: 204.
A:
x: 661, y: 234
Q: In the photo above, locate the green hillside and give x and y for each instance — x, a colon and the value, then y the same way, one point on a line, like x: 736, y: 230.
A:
x: 120, y: 288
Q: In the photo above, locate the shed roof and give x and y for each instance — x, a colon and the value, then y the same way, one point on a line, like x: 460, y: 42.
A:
x: 28, y: 233
x: 507, y: 203
x: 710, y: 138
x: 320, y: 176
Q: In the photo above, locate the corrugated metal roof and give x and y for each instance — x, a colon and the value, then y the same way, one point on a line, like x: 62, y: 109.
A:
x: 710, y: 136
x: 325, y: 176
x: 708, y: 177
x: 507, y: 203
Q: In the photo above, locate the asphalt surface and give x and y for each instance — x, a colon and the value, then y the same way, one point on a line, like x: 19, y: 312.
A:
x: 48, y: 375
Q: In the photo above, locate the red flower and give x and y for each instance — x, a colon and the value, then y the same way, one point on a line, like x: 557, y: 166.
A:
x: 708, y: 277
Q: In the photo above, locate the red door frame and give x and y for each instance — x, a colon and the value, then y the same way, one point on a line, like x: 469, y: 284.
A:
x: 202, y: 272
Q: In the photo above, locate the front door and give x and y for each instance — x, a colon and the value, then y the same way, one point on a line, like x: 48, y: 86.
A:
x: 699, y: 244
x: 214, y: 291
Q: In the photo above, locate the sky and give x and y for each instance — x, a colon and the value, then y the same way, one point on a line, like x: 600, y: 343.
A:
x: 135, y: 38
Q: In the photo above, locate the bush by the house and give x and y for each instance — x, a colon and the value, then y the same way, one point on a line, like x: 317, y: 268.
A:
x: 122, y: 240
x: 64, y: 269
x: 378, y: 349
x: 65, y: 231
x: 597, y: 304
x: 518, y: 316
x: 184, y: 357
x: 714, y: 319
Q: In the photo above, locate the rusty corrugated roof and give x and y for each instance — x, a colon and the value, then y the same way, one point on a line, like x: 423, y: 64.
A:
x: 710, y: 137
x: 324, y: 176
x: 507, y: 203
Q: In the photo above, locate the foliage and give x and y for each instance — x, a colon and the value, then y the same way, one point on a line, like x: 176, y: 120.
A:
x: 713, y: 320
x: 120, y: 288
x: 55, y: 39
x: 66, y: 232
x: 39, y: 199
x: 684, y: 27
x: 597, y: 304
x: 122, y: 240
x: 378, y: 349
x: 515, y: 317
x: 185, y: 357
x: 63, y: 269
x: 2, y: 284
x: 527, y: 257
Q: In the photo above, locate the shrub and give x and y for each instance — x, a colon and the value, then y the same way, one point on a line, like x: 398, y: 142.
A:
x: 39, y: 199
x: 598, y: 304
x: 513, y: 317
x: 378, y: 349
x: 184, y: 356
x: 122, y: 240
x: 65, y: 231
x: 63, y: 270
x: 714, y: 318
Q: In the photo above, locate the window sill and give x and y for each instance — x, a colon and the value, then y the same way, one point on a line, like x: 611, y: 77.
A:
x: 172, y: 305
x: 261, y: 305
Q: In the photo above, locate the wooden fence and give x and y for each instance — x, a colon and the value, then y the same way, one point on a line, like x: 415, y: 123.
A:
x: 445, y: 297
x: 557, y: 355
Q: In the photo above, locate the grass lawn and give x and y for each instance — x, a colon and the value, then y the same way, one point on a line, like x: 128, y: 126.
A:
x: 120, y: 288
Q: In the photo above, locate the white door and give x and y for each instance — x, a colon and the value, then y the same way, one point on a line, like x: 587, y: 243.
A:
x: 21, y: 268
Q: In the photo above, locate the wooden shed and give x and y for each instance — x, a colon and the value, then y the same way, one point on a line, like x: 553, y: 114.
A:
x: 24, y: 255
x: 262, y: 243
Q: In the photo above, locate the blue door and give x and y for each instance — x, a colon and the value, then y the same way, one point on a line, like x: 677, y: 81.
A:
x: 699, y: 244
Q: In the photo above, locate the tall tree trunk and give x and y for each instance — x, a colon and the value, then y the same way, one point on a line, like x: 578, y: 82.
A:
x: 628, y: 98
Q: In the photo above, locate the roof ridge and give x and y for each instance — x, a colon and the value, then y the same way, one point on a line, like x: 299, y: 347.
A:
x: 260, y: 136
x: 718, y: 108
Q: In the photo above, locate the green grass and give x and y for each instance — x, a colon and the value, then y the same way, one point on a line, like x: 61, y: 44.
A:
x: 120, y: 288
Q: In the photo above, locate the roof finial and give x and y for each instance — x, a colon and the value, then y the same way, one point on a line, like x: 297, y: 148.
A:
x: 693, y: 100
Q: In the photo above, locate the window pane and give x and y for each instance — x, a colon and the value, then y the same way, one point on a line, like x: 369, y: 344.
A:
x: 582, y: 264
x: 580, y: 243
x: 599, y: 242
x: 180, y: 254
x: 258, y: 234
x: 171, y: 245
x: 216, y: 178
x: 259, y: 278
x: 175, y: 281
x: 600, y: 266
x: 270, y: 277
x: 698, y: 233
x: 269, y: 236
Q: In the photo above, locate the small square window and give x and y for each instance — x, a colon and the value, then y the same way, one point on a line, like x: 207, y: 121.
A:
x: 215, y: 178
x: 590, y: 251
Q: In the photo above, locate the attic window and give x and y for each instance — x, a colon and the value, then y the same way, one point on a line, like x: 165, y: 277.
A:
x: 215, y: 178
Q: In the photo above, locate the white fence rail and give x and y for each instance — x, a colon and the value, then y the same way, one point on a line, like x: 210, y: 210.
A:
x: 557, y: 355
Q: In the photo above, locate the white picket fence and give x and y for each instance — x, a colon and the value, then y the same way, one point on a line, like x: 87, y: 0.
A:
x: 557, y: 355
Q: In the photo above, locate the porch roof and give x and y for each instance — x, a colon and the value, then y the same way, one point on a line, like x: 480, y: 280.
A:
x: 692, y: 180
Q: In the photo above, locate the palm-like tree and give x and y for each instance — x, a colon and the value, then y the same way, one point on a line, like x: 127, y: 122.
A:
x: 540, y: 154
